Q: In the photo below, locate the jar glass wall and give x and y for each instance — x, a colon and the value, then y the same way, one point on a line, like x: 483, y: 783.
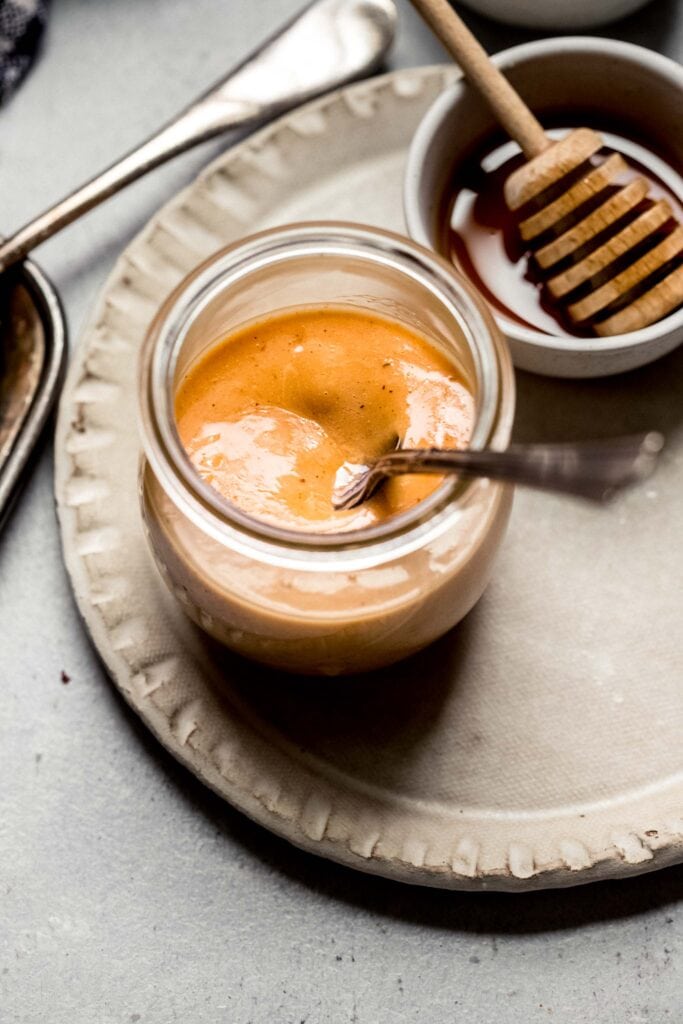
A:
x: 307, y: 602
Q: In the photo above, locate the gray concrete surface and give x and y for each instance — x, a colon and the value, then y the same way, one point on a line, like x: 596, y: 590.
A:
x: 127, y: 891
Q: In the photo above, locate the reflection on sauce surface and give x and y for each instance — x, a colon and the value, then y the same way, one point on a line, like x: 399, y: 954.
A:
x: 479, y: 234
x: 269, y: 414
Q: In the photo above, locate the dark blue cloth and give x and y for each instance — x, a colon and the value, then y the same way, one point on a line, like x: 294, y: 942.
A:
x: 21, y: 28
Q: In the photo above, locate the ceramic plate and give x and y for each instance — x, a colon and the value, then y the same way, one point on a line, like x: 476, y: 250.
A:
x: 539, y: 744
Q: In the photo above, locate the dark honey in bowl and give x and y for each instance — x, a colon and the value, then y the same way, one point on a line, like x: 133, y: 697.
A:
x: 480, y: 235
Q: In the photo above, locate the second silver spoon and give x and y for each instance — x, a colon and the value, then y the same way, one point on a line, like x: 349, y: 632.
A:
x: 329, y: 43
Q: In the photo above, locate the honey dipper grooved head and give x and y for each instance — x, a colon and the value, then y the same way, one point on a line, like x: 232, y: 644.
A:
x: 610, y: 254
x: 548, y: 167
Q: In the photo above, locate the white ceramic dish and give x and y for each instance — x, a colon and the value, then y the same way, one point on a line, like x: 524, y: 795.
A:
x: 610, y: 77
x: 539, y: 743
x: 553, y: 14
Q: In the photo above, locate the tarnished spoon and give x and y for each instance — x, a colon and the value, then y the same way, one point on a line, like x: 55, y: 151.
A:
x: 329, y: 43
x: 585, y: 469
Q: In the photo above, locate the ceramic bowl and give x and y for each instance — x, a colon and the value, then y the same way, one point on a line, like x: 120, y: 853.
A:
x: 617, y: 80
x: 540, y: 14
x: 32, y: 362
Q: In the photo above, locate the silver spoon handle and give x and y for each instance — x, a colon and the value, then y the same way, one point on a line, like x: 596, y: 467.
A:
x: 587, y: 469
x: 329, y: 43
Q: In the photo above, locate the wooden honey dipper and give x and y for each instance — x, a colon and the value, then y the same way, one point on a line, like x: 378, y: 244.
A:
x: 611, y: 255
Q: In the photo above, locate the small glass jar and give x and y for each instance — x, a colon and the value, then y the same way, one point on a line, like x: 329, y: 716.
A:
x: 323, y: 603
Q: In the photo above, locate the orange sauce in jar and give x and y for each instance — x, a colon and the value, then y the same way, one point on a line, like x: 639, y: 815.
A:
x: 269, y: 414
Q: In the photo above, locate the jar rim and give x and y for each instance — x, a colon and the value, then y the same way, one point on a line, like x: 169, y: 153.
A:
x: 223, y: 520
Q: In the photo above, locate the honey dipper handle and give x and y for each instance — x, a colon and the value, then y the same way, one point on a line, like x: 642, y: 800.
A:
x: 507, y: 105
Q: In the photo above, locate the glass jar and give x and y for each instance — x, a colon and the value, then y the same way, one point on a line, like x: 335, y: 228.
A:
x: 323, y: 603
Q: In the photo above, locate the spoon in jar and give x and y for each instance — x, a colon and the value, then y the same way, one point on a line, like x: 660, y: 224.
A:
x: 595, y: 470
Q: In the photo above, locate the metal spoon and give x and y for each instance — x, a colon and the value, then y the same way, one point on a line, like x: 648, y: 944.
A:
x: 585, y: 469
x: 331, y: 42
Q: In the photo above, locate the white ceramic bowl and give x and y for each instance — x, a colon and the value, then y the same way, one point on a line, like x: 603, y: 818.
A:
x: 617, y: 80
x: 540, y: 14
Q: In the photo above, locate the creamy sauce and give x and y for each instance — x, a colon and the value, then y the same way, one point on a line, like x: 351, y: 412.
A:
x: 270, y: 413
